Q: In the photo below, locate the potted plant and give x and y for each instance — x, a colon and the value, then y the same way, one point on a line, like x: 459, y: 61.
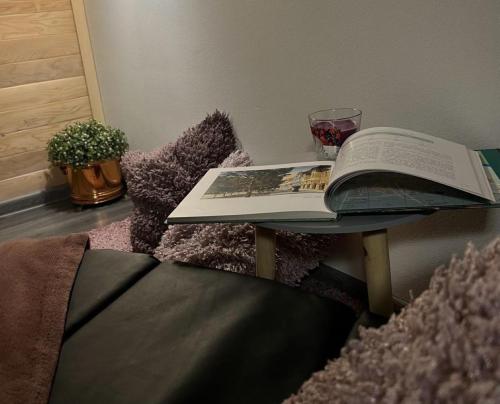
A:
x: 89, y: 155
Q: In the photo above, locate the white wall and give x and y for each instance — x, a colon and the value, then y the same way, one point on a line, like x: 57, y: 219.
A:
x: 431, y: 66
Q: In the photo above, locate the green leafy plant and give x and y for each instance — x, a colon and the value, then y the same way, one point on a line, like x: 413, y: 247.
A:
x: 83, y: 143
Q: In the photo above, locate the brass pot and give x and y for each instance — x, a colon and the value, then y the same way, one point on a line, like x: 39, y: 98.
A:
x: 95, y: 183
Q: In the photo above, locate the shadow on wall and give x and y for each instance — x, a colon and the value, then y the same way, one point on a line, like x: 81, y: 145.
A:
x: 418, y: 248
x: 463, y: 223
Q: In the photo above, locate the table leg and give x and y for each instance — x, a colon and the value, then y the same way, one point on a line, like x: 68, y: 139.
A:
x: 378, y: 272
x: 265, y: 252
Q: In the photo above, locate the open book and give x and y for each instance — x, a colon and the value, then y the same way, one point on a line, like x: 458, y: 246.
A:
x: 377, y: 170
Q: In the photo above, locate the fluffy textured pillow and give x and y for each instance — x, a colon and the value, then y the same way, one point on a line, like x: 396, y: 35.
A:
x: 444, y: 347
x: 159, y: 180
x: 231, y: 247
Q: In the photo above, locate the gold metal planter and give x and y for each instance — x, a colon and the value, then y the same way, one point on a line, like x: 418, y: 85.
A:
x: 96, y: 183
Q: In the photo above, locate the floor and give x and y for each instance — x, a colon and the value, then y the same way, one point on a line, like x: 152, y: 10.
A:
x: 61, y: 218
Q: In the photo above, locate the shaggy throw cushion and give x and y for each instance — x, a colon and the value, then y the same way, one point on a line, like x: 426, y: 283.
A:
x: 444, y: 347
x: 159, y: 180
x: 231, y: 247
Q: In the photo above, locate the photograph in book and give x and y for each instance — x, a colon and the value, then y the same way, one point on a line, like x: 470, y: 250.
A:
x: 278, y: 192
x: 253, y: 183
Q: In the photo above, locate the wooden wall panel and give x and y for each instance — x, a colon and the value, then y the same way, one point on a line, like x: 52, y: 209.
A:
x: 29, y: 95
x: 32, y: 6
x: 47, y: 81
x: 19, y: 26
x: 31, y: 139
x: 43, y: 47
x: 16, y: 74
x: 22, y: 164
x: 13, y: 121
x: 30, y: 183
x: 88, y: 59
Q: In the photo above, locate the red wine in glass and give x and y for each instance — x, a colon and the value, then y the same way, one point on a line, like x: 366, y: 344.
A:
x: 333, y: 132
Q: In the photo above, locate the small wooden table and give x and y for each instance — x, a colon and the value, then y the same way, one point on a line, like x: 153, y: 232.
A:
x: 373, y: 229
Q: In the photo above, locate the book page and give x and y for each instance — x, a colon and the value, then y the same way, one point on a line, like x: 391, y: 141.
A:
x: 268, y: 191
x: 413, y: 153
x: 392, y: 192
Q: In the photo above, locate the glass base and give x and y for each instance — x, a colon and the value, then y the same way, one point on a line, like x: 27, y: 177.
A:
x: 324, y: 152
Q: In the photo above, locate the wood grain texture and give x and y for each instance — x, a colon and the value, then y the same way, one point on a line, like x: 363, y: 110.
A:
x: 30, y: 183
x: 88, y: 59
x: 45, y: 92
x: 19, y: 26
x: 265, y: 252
x: 378, y: 272
x: 48, y: 114
x: 31, y: 139
x: 15, y: 74
x: 13, y: 166
x: 47, y: 80
x: 21, y: 50
x: 32, y: 6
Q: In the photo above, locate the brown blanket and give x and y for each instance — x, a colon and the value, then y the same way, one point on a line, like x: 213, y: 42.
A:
x: 36, y: 277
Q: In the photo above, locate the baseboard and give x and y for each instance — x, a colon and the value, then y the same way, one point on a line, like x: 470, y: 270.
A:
x: 45, y: 197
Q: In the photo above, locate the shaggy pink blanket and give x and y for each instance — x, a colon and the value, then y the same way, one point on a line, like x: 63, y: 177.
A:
x: 230, y: 247
x: 36, y: 277
x: 223, y: 246
x: 214, y: 246
x: 444, y: 347
x: 114, y: 236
